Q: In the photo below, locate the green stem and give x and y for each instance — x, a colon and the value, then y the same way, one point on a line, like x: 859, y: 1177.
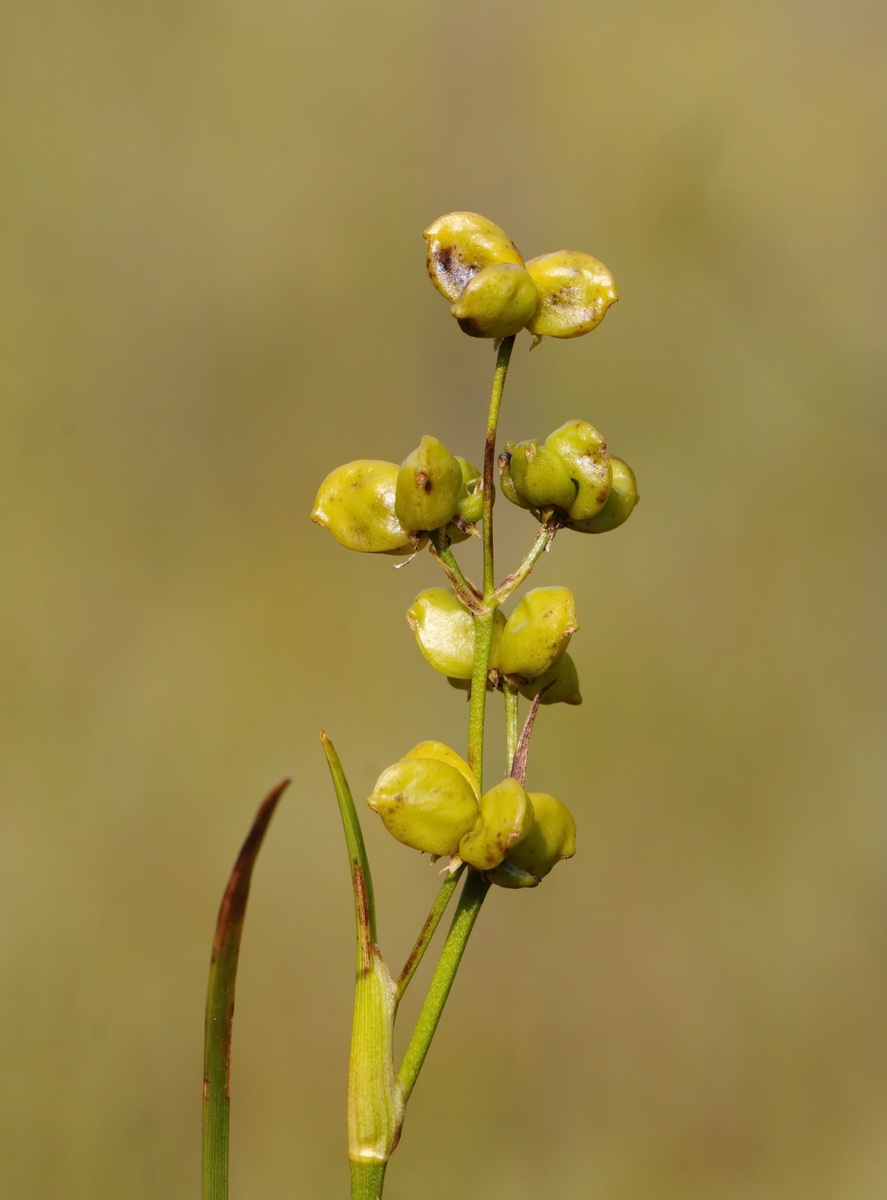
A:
x: 544, y: 538
x: 483, y: 624
x: 483, y: 640
x: 502, y: 360
x: 366, y: 1180
x: 473, y: 894
x: 428, y: 930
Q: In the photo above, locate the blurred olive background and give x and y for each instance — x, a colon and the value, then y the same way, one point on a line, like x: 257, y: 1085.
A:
x: 213, y: 292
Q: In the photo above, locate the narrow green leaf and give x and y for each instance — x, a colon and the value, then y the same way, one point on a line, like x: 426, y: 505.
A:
x: 375, y: 1102
x: 220, y: 1005
x: 361, y: 879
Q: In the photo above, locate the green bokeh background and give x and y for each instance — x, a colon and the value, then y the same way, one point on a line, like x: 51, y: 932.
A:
x: 212, y: 293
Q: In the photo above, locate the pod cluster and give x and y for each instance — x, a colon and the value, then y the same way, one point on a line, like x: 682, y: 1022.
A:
x: 382, y: 508
x: 529, y: 647
x: 494, y: 293
x: 430, y: 801
x: 570, y: 478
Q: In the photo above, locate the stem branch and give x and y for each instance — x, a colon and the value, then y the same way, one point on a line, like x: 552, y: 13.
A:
x: 427, y: 933
x: 544, y: 538
x: 473, y: 894
x: 459, y: 582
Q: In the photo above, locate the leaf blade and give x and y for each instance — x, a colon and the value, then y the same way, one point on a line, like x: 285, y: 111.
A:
x: 220, y: 1004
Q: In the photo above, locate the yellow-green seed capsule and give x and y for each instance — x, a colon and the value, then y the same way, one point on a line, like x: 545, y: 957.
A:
x: 620, y: 502
x: 552, y: 837
x: 444, y: 753
x: 558, y: 685
x: 584, y: 451
x: 575, y: 291
x: 538, y: 632
x: 471, y: 495
x: 428, y: 485
x: 462, y: 243
x: 470, y: 505
x: 541, y: 476
x: 496, y: 302
x: 426, y: 803
x: 506, y: 816
x: 507, y: 875
x: 356, y: 504
x: 506, y: 479
x: 444, y: 630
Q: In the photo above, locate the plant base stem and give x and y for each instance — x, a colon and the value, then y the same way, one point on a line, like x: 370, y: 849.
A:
x: 367, y: 1180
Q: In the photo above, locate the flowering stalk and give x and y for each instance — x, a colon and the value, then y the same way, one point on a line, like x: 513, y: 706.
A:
x: 431, y: 799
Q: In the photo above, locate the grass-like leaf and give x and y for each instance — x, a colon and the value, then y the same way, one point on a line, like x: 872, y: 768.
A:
x: 220, y: 1005
x: 361, y: 879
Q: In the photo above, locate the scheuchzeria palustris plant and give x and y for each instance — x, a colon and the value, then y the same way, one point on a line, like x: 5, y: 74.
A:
x: 432, y: 799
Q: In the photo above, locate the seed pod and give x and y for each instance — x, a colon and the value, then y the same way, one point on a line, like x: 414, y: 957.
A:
x: 559, y: 684
x: 470, y: 504
x: 541, y: 476
x: 506, y: 816
x: 462, y: 243
x: 585, y: 453
x: 471, y: 495
x: 552, y: 837
x: 620, y: 503
x: 496, y: 302
x: 356, y: 504
x: 444, y: 630
x: 575, y: 291
x: 443, y: 753
x: 428, y: 486
x: 506, y: 480
x: 507, y: 875
x: 538, y: 632
x: 426, y: 803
